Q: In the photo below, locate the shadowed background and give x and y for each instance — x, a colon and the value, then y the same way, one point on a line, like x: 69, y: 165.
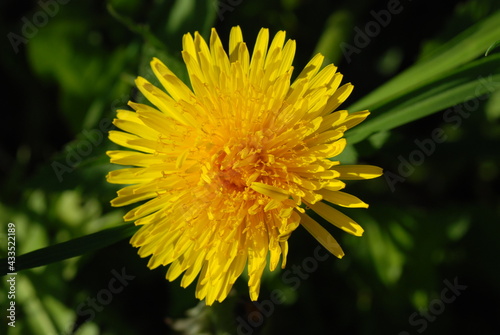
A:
x: 427, y: 262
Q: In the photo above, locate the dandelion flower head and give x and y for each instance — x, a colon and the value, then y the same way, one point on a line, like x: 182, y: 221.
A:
x: 226, y: 167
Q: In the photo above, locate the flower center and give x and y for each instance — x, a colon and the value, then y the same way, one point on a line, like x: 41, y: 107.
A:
x: 229, y: 177
x: 232, y: 180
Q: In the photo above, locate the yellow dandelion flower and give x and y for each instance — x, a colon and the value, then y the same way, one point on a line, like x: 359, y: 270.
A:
x: 228, y: 165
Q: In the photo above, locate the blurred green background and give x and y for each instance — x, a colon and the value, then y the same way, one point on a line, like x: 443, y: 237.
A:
x: 68, y: 65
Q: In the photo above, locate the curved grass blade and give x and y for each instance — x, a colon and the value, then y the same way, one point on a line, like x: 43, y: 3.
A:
x: 69, y: 249
x: 465, y: 47
x: 468, y: 82
x: 142, y: 30
x: 493, y: 46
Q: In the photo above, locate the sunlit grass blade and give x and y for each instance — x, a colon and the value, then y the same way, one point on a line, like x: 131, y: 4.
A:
x: 191, y: 15
x: 336, y: 30
x: 69, y: 249
x: 468, y: 82
x: 465, y: 47
x: 492, y: 47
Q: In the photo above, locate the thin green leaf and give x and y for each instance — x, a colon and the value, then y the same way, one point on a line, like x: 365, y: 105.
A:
x: 191, y: 15
x: 69, y: 249
x: 140, y: 29
x: 336, y: 30
x: 468, y: 82
x: 467, y: 46
x: 493, y: 46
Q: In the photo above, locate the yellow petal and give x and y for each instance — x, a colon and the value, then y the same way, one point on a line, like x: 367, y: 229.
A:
x: 136, y: 128
x: 275, y: 49
x: 288, y: 55
x: 337, y: 218
x: 174, y: 86
x: 342, y: 199
x: 219, y: 56
x: 132, y: 175
x: 323, y: 78
x: 235, y: 38
x: 322, y: 235
x: 354, y: 119
x: 130, y: 199
x: 311, y: 68
x: 127, y: 140
x: 260, y: 50
x: 134, y: 158
x: 161, y: 100
x: 269, y: 190
x: 339, y: 97
x: 355, y: 172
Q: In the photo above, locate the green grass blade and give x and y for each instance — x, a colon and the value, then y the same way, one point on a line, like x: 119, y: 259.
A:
x: 492, y: 47
x: 470, y: 81
x: 142, y: 30
x: 467, y: 46
x: 69, y: 249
